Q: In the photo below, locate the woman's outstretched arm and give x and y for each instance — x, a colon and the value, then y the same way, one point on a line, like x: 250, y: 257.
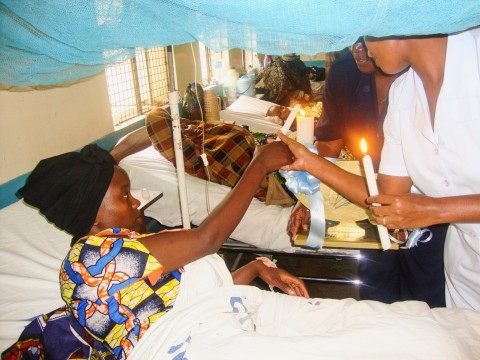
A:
x: 176, y: 249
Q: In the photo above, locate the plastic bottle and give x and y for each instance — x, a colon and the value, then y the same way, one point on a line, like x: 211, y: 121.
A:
x: 267, y: 61
x: 246, y: 86
x: 212, y: 107
x: 251, y: 73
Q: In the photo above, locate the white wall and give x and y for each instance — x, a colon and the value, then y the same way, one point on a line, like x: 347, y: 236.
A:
x: 39, y: 124
x: 185, y: 72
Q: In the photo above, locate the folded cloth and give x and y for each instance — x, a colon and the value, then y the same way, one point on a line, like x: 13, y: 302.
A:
x: 229, y: 149
x: 276, y: 194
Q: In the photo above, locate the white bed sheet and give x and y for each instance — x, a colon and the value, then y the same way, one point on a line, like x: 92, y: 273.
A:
x: 250, y: 111
x: 31, y: 253
x: 217, y: 320
x: 214, y: 319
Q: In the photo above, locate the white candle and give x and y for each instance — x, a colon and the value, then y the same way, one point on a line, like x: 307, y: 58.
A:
x: 373, y: 190
x: 305, y: 129
x: 288, y: 123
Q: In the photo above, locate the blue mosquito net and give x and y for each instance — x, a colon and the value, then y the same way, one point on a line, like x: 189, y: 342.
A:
x: 46, y: 42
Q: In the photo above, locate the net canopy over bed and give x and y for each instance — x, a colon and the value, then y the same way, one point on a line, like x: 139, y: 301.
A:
x: 46, y: 42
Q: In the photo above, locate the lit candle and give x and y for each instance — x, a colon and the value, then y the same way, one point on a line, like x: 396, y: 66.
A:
x: 288, y: 123
x: 304, y: 128
x: 373, y: 190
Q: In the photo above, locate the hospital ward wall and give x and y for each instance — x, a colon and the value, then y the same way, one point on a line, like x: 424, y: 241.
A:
x: 42, y: 123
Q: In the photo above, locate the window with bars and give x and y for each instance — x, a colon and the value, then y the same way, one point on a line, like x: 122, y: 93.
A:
x: 138, y: 84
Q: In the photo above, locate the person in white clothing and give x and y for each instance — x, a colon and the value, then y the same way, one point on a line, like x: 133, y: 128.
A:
x: 431, y: 131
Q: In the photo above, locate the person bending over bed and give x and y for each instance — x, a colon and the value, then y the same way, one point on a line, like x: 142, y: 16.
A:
x: 117, y: 281
x: 354, y: 106
x: 431, y: 131
x: 286, y: 81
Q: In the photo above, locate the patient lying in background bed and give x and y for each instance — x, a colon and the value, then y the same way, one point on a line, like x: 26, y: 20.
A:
x: 251, y: 112
x: 228, y: 150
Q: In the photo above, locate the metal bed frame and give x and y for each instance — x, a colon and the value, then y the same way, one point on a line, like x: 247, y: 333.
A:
x: 240, y: 249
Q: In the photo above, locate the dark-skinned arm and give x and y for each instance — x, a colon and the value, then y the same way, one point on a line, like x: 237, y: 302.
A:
x: 134, y: 142
x: 352, y: 187
x: 330, y: 149
x: 403, y: 209
x: 288, y: 283
x: 178, y: 248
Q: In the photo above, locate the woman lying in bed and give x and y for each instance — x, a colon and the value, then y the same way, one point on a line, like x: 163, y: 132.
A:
x: 116, y: 281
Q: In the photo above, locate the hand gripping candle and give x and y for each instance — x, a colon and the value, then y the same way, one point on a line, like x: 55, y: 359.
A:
x: 373, y: 190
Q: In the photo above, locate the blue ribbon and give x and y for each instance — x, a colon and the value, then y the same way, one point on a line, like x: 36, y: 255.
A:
x: 415, y: 236
x: 301, y: 182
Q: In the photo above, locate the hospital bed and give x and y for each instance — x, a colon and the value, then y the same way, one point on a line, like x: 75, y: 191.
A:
x: 31, y: 250
x: 263, y: 229
x: 207, y: 324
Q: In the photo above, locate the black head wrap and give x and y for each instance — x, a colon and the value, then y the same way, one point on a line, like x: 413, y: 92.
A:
x: 69, y: 188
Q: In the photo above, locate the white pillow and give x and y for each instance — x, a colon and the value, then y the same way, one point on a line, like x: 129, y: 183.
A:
x: 31, y: 252
x: 247, y: 104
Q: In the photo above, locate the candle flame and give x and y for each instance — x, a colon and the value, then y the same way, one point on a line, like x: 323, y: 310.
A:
x: 363, y: 145
x: 301, y: 112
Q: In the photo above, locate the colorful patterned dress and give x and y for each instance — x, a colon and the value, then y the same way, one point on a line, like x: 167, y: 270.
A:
x: 115, y: 288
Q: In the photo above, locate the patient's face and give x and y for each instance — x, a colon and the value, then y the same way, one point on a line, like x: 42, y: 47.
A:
x: 119, y: 208
x: 278, y: 110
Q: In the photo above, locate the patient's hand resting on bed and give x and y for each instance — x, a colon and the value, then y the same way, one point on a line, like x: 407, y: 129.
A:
x: 272, y: 275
